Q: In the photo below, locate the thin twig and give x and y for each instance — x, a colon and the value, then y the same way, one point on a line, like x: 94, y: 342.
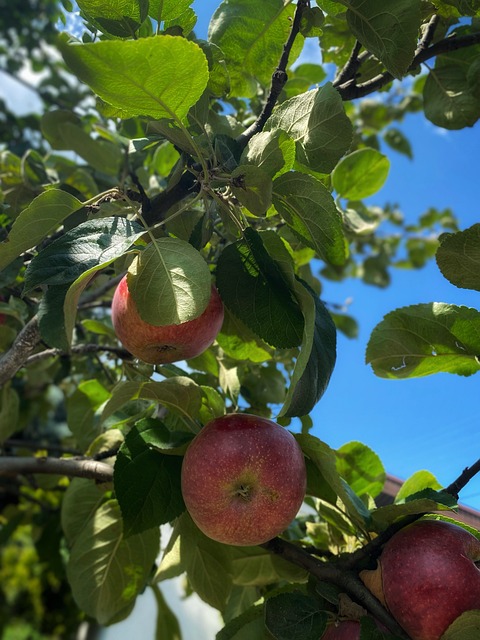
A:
x: 351, y: 67
x: 279, y: 77
x: 463, y: 479
x: 79, y: 350
x: 428, y: 35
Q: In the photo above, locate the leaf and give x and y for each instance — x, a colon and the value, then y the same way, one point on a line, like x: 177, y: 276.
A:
x: 9, y: 411
x: 167, y: 627
x: 156, y: 77
x: 254, y: 288
x: 238, y: 342
x: 179, y: 394
x: 254, y: 566
x: 147, y: 483
x: 325, y: 459
x: 458, y: 257
x: 120, y: 18
x: 385, y: 516
x: 117, y: 569
x: 42, y: 216
x: 465, y: 627
x: 271, y: 151
x: 316, y: 120
x: 206, y: 562
x: 253, y: 188
x: 83, y: 411
x: 51, y: 319
x: 361, y: 468
x: 397, y: 140
x: 417, y: 482
x: 318, y: 353
x: 251, y: 36
x: 169, y: 282
x: 90, y: 244
x: 360, y: 174
x: 239, y: 624
x: 450, y: 97
x: 388, y: 30
x: 295, y: 616
x: 309, y: 210
x: 424, y: 339
x: 80, y: 502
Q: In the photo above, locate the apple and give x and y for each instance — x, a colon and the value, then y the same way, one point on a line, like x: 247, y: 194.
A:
x: 427, y: 577
x: 344, y: 630
x: 170, y: 343
x: 243, y: 479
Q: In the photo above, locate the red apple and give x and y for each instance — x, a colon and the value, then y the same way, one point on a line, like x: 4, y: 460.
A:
x: 345, y: 630
x: 243, y: 479
x: 170, y: 343
x: 429, y: 577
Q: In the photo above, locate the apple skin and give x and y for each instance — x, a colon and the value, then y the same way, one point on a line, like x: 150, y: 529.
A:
x: 429, y: 577
x: 345, y: 630
x: 170, y: 343
x: 243, y: 479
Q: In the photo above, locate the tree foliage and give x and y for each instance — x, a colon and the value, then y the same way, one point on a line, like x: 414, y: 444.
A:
x: 176, y: 158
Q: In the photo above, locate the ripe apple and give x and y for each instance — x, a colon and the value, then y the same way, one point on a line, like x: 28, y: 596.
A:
x: 428, y: 577
x: 243, y: 479
x: 345, y: 630
x: 170, y: 343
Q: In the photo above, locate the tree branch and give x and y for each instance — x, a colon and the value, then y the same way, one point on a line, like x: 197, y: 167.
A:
x: 279, y: 77
x: 82, y: 350
x: 22, y: 347
x: 71, y: 467
x: 350, y: 90
x: 463, y: 479
x: 330, y: 572
x: 350, y: 69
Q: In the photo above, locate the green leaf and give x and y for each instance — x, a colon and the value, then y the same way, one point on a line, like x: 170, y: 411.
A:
x: 169, y: 282
x: 80, y: 502
x: 316, y: 120
x: 156, y: 77
x: 179, y: 394
x: 238, y: 342
x: 309, y: 210
x: 254, y: 566
x: 325, y: 459
x: 253, y: 188
x: 361, y: 468
x: 315, y: 364
x: 238, y: 628
x: 385, y: 516
x: 42, y: 216
x: 83, y: 411
x: 118, y: 568
x: 9, y: 411
x: 388, y: 30
x: 207, y: 563
x: 147, y: 483
x: 254, y: 288
x: 51, y: 319
x: 458, y: 257
x: 93, y: 243
x: 360, y: 174
x: 251, y: 36
x: 120, y: 18
x: 167, y: 627
x: 417, y: 482
x: 271, y: 151
x: 161, y: 10
x: 450, y: 94
x: 424, y: 339
x: 465, y: 627
x: 295, y: 616
x: 398, y: 141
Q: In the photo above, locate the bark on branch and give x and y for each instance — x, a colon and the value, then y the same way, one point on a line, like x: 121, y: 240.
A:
x: 21, y: 349
x: 71, y: 467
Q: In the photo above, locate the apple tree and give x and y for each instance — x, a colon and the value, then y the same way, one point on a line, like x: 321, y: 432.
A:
x: 175, y: 163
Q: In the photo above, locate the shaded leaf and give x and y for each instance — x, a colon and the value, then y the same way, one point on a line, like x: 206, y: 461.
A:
x: 295, y: 616
x: 465, y: 627
x: 361, y: 468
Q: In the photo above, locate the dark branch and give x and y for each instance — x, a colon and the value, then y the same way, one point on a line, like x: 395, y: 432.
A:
x: 79, y: 350
x: 24, y: 344
x: 463, y: 479
x: 351, y: 67
x: 279, y: 77
x: 428, y: 35
x: 71, y: 467
x: 330, y: 572
x: 161, y: 203
x: 350, y: 90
